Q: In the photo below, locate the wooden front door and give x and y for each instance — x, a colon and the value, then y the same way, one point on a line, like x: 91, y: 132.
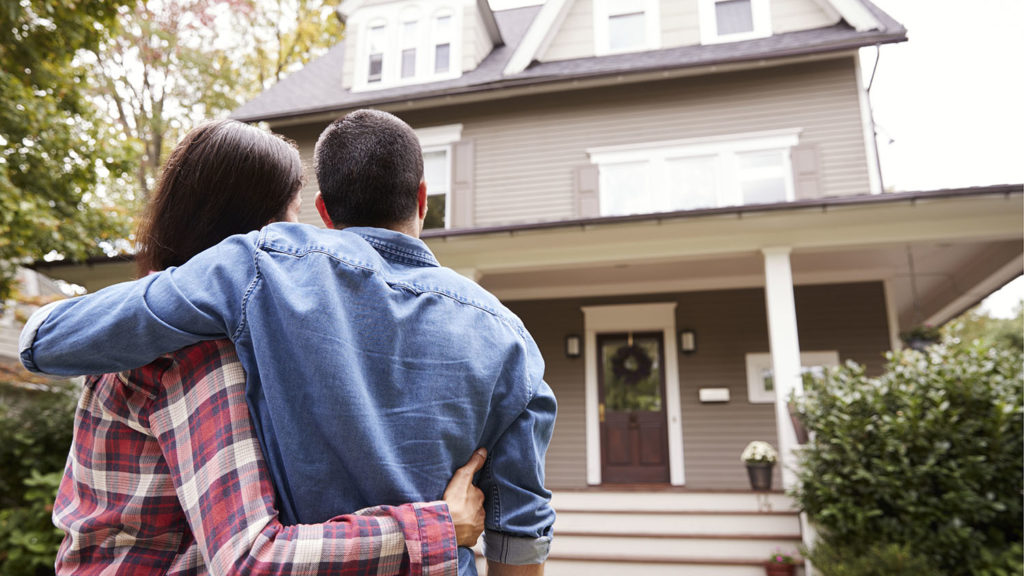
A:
x: 634, y: 430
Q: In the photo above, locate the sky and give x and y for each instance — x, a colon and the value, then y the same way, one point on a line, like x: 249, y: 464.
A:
x: 949, y: 102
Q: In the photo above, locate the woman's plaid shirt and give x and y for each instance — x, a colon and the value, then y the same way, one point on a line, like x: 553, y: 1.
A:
x: 166, y: 476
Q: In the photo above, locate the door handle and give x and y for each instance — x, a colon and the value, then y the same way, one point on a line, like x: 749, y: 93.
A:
x: 600, y: 411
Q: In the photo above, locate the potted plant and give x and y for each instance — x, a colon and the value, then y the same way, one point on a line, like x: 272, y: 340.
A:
x: 760, y: 458
x: 780, y: 564
x: 921, y: 337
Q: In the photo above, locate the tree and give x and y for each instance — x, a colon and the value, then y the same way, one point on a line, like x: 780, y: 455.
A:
x: 1002, y: 332
x: 171, y: 65
x: 61, y: 168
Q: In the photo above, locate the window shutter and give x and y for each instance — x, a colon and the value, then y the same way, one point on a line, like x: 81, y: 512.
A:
x: 462, y: 184
x: 806, y: 175
x: 585, y: 191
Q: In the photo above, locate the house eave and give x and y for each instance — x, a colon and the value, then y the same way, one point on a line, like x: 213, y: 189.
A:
x: 822, y: 204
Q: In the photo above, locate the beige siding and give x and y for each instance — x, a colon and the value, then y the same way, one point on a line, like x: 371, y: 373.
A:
x: 729, y: 324
x: 680, y: 24
x: 305, y: 137
x: 527, y: 149
x: 575, y: 37
x: 792, y: 15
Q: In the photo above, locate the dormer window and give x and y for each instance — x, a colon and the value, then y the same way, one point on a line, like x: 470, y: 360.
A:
x: 442, y: 43
x: 376, y: 41
x: 733, y: 20
x: 626, y: 26
x: 402, y: 43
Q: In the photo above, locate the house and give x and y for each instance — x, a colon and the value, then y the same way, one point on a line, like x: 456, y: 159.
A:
x: 682, y: 200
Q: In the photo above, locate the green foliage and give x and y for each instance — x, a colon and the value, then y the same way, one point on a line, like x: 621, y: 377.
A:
x: 36, y: 425
x: 977, y: 326
x: 876, y: 560
x: 54, y: 149
x: 927, y: 456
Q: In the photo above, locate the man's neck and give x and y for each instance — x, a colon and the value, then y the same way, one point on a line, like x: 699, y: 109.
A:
x: 409, y: 228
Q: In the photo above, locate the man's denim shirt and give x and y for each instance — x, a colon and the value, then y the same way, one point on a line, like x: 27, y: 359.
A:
x: 372, y: 372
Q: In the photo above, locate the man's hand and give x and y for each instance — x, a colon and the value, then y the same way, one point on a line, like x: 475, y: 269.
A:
x: 466, y: 501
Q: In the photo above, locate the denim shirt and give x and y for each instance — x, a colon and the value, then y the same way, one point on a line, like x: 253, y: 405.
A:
x: 372, y: 372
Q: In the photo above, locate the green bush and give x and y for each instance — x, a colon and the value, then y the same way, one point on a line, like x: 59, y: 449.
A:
x: 36, y: 426
x: 927, y: 457
x: 876, y: 560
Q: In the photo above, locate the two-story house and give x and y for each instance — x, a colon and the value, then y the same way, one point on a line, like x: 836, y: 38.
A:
x: 682, y: 200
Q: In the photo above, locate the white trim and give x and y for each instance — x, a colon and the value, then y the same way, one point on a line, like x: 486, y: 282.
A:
x: 439, y: 135
x: 393, y: 17
x: 976, y: 293
x: 760, y: 13
x: 856, y: 15
x: 892, y: 314
x: 625, y: 318
x: 537, y: 36
x: 868, y: 127
x: 784, y: 343
x: 603, y: 11
x: 758, y: 362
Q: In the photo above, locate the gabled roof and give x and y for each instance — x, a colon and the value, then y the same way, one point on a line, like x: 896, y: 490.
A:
x: 317, y: 88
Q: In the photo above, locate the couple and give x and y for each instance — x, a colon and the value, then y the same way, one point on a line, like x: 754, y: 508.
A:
x: 370, y: 374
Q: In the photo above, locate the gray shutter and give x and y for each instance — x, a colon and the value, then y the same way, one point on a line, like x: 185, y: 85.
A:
x: 806, y: 175
x: 585, y: 191
x: 461, y: 197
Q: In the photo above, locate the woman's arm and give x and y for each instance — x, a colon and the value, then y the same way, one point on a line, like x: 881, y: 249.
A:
x: 204, y: 429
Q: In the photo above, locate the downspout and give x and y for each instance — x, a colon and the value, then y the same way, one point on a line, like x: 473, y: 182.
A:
x: 871, y: 115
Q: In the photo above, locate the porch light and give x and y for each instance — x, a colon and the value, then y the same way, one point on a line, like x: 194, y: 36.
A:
x: 572, y: 346
x: 687, y: 341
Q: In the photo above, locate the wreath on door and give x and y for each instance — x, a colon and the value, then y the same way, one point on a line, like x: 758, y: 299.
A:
x: 632, y: 364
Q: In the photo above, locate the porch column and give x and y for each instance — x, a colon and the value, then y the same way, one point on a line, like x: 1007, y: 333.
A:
x: 785, y: 350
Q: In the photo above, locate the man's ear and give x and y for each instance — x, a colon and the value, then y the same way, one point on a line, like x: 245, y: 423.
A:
x: 421, y: 197
x: 322, y: 209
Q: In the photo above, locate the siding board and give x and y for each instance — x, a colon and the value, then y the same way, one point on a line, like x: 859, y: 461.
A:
x: 849, y: 318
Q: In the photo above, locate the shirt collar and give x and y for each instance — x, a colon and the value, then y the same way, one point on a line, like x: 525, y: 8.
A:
x: 396, y: 245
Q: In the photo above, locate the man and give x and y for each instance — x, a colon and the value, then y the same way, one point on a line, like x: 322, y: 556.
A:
x: 372, y: 372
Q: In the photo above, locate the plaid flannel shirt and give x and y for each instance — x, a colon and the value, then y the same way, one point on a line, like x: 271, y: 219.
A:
x: 165, y: 476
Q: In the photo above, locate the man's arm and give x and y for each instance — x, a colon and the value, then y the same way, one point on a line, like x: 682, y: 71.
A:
x: 128, y: 325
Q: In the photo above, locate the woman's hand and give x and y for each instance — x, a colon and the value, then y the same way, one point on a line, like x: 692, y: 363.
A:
x: 466, y: 501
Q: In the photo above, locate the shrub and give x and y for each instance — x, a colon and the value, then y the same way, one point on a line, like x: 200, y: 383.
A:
x: 876, y: 560
x: 36, y: 426
x: 928, y: 457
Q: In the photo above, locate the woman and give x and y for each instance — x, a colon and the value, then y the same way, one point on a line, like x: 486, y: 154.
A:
x: 165, y: 475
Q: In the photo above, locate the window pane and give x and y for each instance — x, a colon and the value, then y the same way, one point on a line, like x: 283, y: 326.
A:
x: 408, y: 63
x: 441, y: 56
x: 376, y: 66
x: 435, y: 171
x: 624, y: 189
x: 626, y: 31
x: 443, y: 26
x: 435, y: 211
x: 764, y: 191
x: 734, y: 17
x: 409, y: 34
x: 760, y: 159
x: 693, y: 183
x: 632, y: 374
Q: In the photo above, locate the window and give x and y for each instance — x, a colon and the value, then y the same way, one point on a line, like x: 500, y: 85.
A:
x: 409, y: 42
x: 761, y: 380
x: 695, y: 174
x: 442, y: 44
x: 402, y: 43
x: 626, y: 26
x: 437, y: 175
x: 376, y: 40
x: 437, y: 171
x: 732, y: 20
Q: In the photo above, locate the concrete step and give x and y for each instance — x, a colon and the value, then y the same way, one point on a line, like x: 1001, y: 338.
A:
x: 679, y: 524
x: 560, y: 567
x: 668, y: 548
x: 668, y: 501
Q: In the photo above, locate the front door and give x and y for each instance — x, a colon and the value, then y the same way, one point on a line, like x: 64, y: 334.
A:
x: 634, y: 430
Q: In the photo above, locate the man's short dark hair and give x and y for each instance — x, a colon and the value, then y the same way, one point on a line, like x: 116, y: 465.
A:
x: 369, y: 165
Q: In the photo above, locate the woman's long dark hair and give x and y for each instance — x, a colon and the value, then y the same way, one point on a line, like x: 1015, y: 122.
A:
x: 223, y: 178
